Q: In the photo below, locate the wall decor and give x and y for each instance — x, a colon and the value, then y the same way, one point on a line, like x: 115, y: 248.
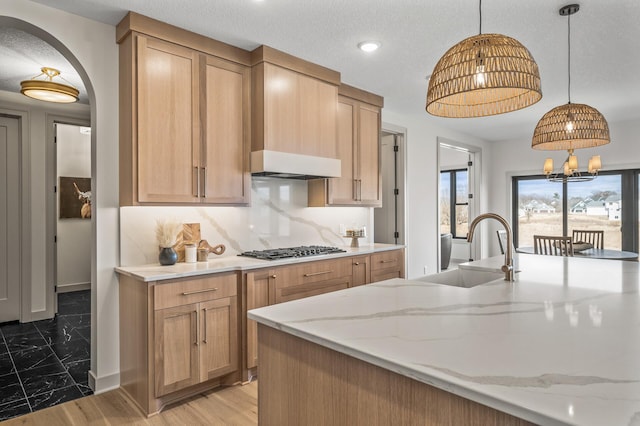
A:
x: 75, y: 197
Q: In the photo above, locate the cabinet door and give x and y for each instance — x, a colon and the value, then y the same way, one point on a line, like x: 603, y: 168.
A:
x: 218, y: 337
x: 318, y: 115
x: 258, y: 289
x: 281, y: 110
x: 176, y: 348
x: 168, y: 122
x: 342, y: 190
x: 225, y: 159
x: 361, y: 271
x: 368, y: 157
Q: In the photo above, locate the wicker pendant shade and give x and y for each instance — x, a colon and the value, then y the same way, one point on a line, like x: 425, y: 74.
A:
x: 483, y: 75
x: 588, y: 128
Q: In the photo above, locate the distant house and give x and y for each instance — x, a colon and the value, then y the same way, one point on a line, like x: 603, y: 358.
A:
x: 536, y: 206
x: 613, y: 204
x: 580, y: 206
x: 596, y: 208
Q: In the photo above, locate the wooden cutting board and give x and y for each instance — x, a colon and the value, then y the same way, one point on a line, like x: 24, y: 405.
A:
x: 190, y: 234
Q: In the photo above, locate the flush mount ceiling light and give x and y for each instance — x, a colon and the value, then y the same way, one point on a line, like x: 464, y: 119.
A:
x: 483, y: 75
x: 369, y: 46
x: 47, y: 89
x: 570, y: 126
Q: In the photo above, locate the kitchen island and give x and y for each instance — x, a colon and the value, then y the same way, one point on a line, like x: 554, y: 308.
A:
x: 560, y: 346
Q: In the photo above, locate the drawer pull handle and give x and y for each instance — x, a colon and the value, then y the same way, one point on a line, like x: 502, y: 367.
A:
x: 187, y: 293
x: 388, y: 261
x: 317, y: 273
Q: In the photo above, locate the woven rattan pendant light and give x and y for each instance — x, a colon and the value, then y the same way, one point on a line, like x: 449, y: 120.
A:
x: 570, y: 126
x: 483, y: 75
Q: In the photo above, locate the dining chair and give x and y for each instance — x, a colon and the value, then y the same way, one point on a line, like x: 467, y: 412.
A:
x: 552, y: 245
x: 502, y: 240
x: 595, y: 238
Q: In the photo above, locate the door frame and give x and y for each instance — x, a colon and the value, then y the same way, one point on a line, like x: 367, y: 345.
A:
x: 25, y: 209
x: 51, y: 203
x: 475, y: 178
x: 401, y: 133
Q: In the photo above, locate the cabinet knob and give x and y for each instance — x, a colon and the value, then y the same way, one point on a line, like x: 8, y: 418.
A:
x: 357, y: 263
x: 274, y: 276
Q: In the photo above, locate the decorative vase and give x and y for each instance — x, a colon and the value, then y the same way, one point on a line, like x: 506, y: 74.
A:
x: 167, y: 256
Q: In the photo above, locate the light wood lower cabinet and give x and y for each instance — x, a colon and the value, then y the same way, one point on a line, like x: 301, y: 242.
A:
x: 178, y: 337
x: 361, y: 270
x: 259, y: 285
x: 386, y: 265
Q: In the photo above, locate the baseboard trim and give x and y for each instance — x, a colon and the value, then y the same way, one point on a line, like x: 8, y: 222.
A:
x: 68, y: 288
x: 104, y: 383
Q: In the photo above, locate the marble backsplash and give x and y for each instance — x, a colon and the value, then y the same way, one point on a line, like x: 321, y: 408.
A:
x: 278, y: 217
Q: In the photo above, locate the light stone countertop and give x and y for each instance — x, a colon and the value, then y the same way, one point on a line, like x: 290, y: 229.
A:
x: 227, y: 263
x: 560, y: 346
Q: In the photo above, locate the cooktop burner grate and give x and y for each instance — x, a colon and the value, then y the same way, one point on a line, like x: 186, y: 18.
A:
x: 284, y: 253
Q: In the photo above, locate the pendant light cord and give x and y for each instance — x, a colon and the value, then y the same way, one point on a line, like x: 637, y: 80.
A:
x: 480, y: 8
x: 569, y: 59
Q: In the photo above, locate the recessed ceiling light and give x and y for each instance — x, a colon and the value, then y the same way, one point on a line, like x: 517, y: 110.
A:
x: 368, y: 46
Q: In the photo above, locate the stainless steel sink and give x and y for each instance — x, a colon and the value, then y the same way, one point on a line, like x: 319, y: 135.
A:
x: 464, y: 277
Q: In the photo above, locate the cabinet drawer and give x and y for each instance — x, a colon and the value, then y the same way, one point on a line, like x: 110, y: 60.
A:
x: 387, y: 260
x: 313, y: 272
x: 311, y: 289
x: 194, y: 290
x: 385, y: 275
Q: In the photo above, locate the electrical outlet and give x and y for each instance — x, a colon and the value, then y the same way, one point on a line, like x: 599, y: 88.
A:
x: 425, y: 269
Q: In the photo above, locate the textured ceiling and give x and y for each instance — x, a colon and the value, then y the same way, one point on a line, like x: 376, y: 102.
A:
x: 22, y: 55
x: 414, y: 34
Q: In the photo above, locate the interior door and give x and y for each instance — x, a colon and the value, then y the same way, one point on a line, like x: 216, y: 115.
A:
x: 9, y: 220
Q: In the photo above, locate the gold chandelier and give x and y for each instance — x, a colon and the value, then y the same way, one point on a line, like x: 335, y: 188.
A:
x: 47, y: 89
x: 483, y: 75
x: 570, y: 172
x: 571, y: 126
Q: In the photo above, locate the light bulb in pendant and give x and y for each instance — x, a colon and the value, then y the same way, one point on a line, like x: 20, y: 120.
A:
x: 570, y: 126
x: 480, y: 76
x: 567, y: 170
x: 548, y: 166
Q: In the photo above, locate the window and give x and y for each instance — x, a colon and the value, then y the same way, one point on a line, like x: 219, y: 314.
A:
x: 454, y: 202
x: 556, y: 208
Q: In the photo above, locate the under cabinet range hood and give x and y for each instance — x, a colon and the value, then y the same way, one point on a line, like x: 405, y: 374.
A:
x: 293, y: 166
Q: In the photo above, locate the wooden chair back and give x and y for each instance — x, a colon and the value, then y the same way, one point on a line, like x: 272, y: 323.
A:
x: 553, y: 245
x: 595, y: 238
x: 502, y: 240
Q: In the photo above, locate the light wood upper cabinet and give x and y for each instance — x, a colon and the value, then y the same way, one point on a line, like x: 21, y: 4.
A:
x: 225, y: 158
x: 358, y: 148
x: 294, y: 105
x: 168, y: 137
x: 185, y: 125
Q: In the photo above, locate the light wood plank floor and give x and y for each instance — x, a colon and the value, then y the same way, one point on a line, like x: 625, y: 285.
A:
x: 236, y: 405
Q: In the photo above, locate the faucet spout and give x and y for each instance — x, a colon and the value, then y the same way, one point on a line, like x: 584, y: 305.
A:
x: 507, y: 268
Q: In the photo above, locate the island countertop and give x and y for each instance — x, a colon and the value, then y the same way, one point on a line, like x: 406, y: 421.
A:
x: 228, y: 263
x: 561, y: 345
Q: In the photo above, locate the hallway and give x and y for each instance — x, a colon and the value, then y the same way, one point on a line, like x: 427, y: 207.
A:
x: 45, y: 363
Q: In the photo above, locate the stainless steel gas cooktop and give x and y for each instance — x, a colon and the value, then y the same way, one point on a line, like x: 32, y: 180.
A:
x: 284, y: 253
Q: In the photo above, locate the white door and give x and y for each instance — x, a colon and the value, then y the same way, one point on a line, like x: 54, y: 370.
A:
x: 9, y: 220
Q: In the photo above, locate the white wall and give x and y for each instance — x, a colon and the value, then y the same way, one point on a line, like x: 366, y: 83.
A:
x: 423, y: 229
x: 73, y: 235
x: 90, y: 47
x: 514, y: 158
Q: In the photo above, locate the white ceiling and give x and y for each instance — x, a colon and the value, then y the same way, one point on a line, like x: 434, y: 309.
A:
x: 414, y: 34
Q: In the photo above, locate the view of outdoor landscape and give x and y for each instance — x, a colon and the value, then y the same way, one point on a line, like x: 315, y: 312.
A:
x: 593, y: 205
x: 459, y: 179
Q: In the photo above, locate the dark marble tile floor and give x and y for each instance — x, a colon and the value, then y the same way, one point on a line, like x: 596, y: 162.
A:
x: 45, y: 363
